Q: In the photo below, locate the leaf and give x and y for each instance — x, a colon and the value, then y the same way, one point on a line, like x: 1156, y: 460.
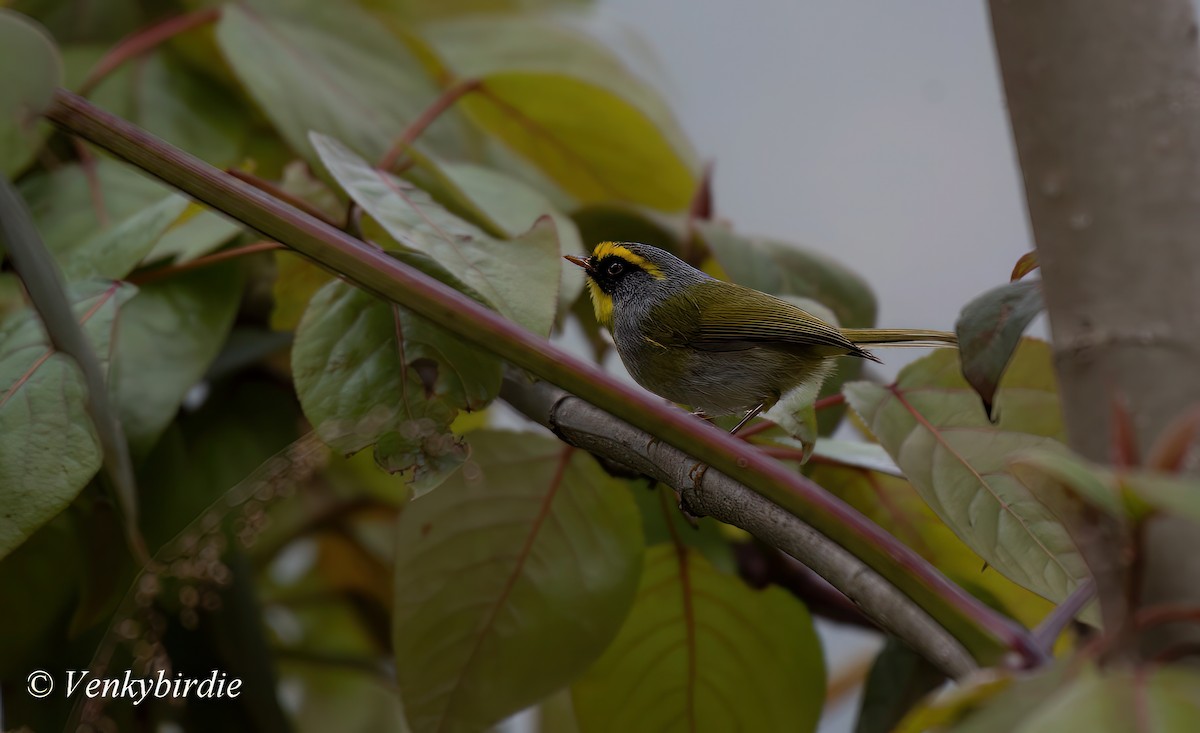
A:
x: 204, y: 453
x: 48, y: 446
x: 296, y: 281
x: 25, y: 95
x: 510, y: 580
x: 72, y: 21
x: 47, y: 566
x: 893, y: 504
x: 358, y: 386
x: 1123, y: 493
x: 795, y: 412
x: 784, y: 269
x: 1117, y: 700
x: 167, y: 337
x: 1027, y: 263
x: 569, y: 106
x: 663, y: 521
x: 113, y: 253
x: 855, y: 454
x: 623, y: 223
x: 71, y: 206
x: 989, y: 329
x: 519, y: 278
x: 332, y: 69
x: 183, y: 106
x: 956, y: 460
x: 702, y: 651
x: 899, y: 678
x: 505, y: 206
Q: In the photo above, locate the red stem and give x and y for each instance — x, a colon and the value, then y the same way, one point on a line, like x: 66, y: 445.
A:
x: 427, y: 118
x: 146, y: 39
x: 161, y: 273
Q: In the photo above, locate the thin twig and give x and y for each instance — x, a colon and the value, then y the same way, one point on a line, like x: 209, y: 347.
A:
x: 1063, y: 614
x: 149, y: 276
x: 426, y: 118
x: 146, y: 39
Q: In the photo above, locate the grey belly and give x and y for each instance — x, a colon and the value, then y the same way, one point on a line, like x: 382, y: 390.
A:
x: 719, y: 383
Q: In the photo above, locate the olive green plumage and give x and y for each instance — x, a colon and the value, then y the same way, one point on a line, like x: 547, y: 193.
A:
x: 713, y: 345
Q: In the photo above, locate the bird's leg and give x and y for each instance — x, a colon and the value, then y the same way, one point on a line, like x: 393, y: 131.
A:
x: 749, y: 416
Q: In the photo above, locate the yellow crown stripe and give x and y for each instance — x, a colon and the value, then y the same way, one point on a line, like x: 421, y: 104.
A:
x: 605, y: 249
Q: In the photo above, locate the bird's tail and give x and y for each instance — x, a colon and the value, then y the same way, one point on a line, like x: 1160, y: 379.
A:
x: 899, y: 337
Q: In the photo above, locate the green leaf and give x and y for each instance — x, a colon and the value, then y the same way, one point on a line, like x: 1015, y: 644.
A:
x: 510, y: 580
x: 1116, y: 700
x: 113, y: 253
x: 507, y: 207
x: 48, y: 446
x: 26, y: 93
x: 72, y: 21
x: 569, y: 106
x: 71, y: 206
x: 663, y: 521
x: 204, y: 454
x: 329, y: 68
x: 702, y: 651
x: 47, y: 567
x: 1125, y: 493
x: 181, y: 105
x: 296, y: 281
x: 989, y: 329
x: 623, y: 223
x: 166, y: 338
x: 895, y: 505
x: 785, y: 269
x: 358, y: 386
x: 899, y: 678
x: 930, y: 424
x: 518, y: 278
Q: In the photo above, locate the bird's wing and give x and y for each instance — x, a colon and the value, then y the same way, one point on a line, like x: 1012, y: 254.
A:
x: 729, y: 317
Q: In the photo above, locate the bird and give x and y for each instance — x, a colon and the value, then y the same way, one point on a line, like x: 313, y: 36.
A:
x: 716, y: 346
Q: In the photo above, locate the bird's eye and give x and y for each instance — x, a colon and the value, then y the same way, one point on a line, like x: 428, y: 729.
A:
x: 615, y: 269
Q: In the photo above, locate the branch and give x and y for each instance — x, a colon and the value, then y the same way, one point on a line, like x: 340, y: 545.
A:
x: 984, y: 632
x: 588, y: 427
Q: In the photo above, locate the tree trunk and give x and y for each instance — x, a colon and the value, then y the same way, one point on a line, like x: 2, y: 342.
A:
x: 1104, y: 100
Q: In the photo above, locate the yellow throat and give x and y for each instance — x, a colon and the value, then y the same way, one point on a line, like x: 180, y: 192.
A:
x: 602, y: 302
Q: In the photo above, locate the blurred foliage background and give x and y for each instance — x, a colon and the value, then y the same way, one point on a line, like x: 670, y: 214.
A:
x: 341, y: 514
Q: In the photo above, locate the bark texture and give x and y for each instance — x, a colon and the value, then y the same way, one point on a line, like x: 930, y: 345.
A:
x: 1104, y: 100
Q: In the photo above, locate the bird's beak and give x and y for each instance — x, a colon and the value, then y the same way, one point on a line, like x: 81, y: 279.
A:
x: 585, y: 264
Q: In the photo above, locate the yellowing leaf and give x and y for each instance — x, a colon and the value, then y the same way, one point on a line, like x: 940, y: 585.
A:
x: 570, y: 107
